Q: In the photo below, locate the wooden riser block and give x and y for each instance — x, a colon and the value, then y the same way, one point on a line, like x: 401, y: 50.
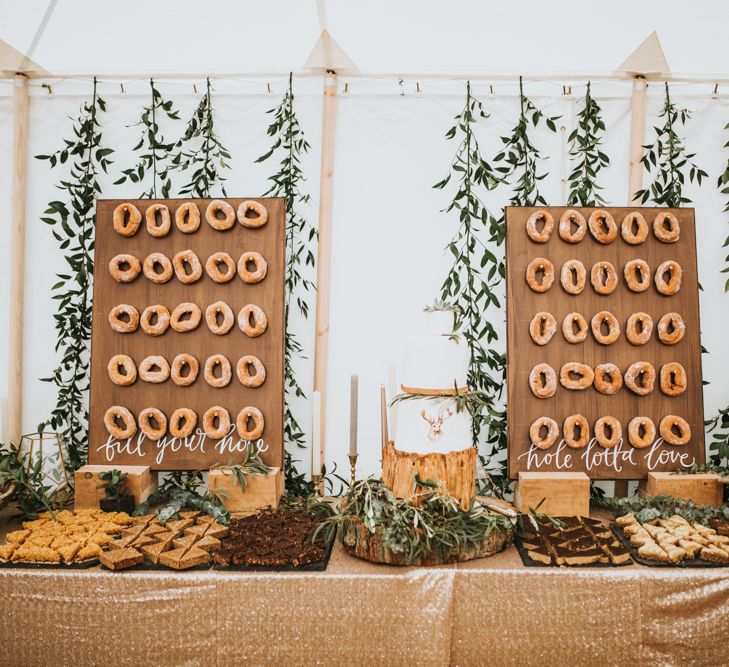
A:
x: 703, y: 489
x: 564, y: 493
x: 141, y: 482
x: 261, y: 490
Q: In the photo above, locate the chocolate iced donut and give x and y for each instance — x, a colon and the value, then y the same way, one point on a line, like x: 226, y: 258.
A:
x: 155, y: 320
x: 154, y: 369
x: 259, y: 322
x: 602, y: 321
x: 259, y: 211
x: 242, y: 423
x: 124, y: 318
x: 158, y: 227
x: 674, y: 430
x: 542, y: 327
x: 152, y: 423
x: 182, y: 423
x: 120, y: 422
x: 185, y: 317
x: 127, y: 219
x: 576, y: 376
x: 184, y: 370
x: 672, y: 379
x: 641, y: 432
x: 574, y: 328
x: 640, y: 378
x: 603, y: 277
x: 671, y: 329
x: 216, y: 422
x: 602, y: 226
x: 187, y: 267
x: 124, y: 268
x: 220, y: 266
x: 217, y: 363
x: 543, y: 218
x: 248, y: 378
x: 219, y: 206
x: 572, y: 276
x: 155, y: 261
x: 668, y: 278
x: 608, y: 431
x: 122, y: 370
x: 219, y: 318
x: 543, y: 432
x: 572, y: 226
x: 637, y: 275
x: 639, y: 328
x: 543, y: 381
x: 260, y: 267
x: 576, y: 431
x: 187, y: 219
x: 666, y: 227
x: 608, y: 379
x: 634, y: 228
x: 540, y: 274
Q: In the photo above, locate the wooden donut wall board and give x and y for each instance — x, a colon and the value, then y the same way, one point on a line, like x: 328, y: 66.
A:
x: 621, y: 461
x: 194, y: 452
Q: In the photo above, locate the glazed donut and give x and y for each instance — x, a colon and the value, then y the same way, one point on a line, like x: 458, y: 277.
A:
x: 243, y: 370
x: 600, y: 322
x: 124, y: 318
x: 608, y: 431
x: 674, y: 430
x: 542, y: 327
x: 260, y: 212
x: 634, y: 228
x: 184, y: 370
x: 123, y: 225
x: 637, y: 275
x: 576, y: 431
x: 259, y: 271
x: 152, y: 423
x: 574, y: 375
x: 122, y: 370
x: 608, y: 379
x: 182, y: 261
x: 161, y: 228
x: 185, y: 317
x: 259, y: 324
x: 187, y: 220
x: 215, y: 265
x: 573, y: 276
x: 574, y: 328
x: 120, y: 422
x: 543, y: 381
x: 155, y: 320
x: 666, y: 227
x: 154, y: 369
x: 222, y: 309
x: 640, y: 378
x: 641, y: 432
x: 213, y: 363
x: 546, y: 426
x: 673, y: 284
x: 546, y: 220
x: 671, y: 329
x: 151, y: 262
x: 603, y: 277
x: 672, y: 379
x: 216, y: 422
x: 536, y: 267
x: 219, y: 206
x: 639, y: 328
x: 569, y: 219
x: 246, y: 415
x: 602, y: 226
x: 124, y: 268
x: 182, y: 422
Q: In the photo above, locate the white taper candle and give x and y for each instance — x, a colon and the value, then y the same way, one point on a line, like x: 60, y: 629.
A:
x: 316, y: 433
x: 354, y: 399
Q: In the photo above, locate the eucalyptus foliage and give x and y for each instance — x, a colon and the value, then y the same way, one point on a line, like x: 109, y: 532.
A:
x: 723, y: 185
x: 252, y: 464
x: 719, y: 447
x: 29, y: 491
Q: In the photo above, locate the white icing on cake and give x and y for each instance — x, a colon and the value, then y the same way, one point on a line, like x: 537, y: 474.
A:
x: 431, y: 425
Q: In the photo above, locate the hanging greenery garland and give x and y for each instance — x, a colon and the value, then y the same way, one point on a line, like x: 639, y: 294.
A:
x: 723, y: 185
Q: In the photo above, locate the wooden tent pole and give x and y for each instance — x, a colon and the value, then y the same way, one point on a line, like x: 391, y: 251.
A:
x: 637, y: 137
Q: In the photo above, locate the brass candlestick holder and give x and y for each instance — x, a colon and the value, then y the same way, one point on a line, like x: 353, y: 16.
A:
x: 353, y: 468
x: 317, y: 482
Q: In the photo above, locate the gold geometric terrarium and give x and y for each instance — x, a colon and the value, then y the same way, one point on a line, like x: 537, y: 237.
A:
x: 47, y: 452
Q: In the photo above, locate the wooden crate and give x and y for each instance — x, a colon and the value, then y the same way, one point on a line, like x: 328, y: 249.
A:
x: 141, y: 482
x: 703, y: 489
x: 261, y: 490
x: 564, y: 493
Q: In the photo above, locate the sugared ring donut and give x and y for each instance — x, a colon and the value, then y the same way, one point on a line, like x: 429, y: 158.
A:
x: 155, y: 320
x: 572, y: 226
x: 543, y: 381
x: 259, y: 322
x: 576, y: 431
x: 671, y: 284
x: 127, y: 219
x: 219, y: 206
x: 219, y: 318
x: 602, y: 226
x: 608, y: 379
x: 217, y: 371
x: 259, y: 217
x: 216, y: 422
x: 603, y: 321
x: 637, y: 275
x: 543, y: 218
x: 603, y: 277
x: 187, y: 220
x: 161, y: 227
x: 540, y: 274
x: 674, y: 430
x: 120, y: 422
x: 182, y: 423
x: 260, y: 267
x: 666, y: 227
x: 634, y: 228
x: 124, y: 268
x: 640, y: 378
x: 124, y: 318
x: 577, y: 376
x: 242, y: 421
x: 248, y: 378
x: 543, y: 432
x: 671, y: 329
x: 184, y: 370
x: 608, y: 431
x: 641, y: 432
x: 672, y: 379
x: 573, y: 276
x: 155, y: 261
x: 542, y: 327
x: 187, y: 267
x: 639, y: 328
x: 185, y: 317
x: 574, y: 328
x: 122, y: 370
x: 152, y: 423
x: 220, y: 267
x: 154, y: 369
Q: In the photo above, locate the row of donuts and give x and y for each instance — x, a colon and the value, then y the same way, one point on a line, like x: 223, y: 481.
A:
x: 573, y: 227
x: 187, y: 268
x: 219, y: 214
x: 603, y: 276
x: 606, y: 328
x: 152, y: 422
x: 639, y: 377
x: 184, y: 370
x: 544, y: 431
